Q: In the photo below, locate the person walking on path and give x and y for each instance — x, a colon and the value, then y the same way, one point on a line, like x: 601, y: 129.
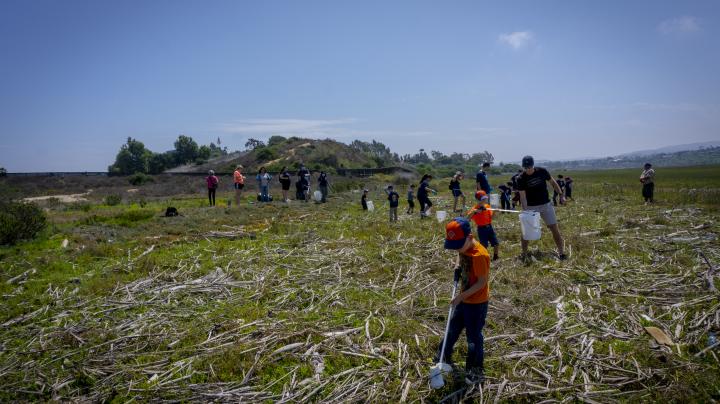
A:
x: 647, y: 178
x: 212, y: 185
x: 456, y: 191
x: 394, y: 200
x: 532, y: 185
x: 238, y: 183
x: 263, y: 179
x: 285, y: 181
x: 422, y: 195
x: 515, y: 193
x: 472, y: 272
x: 411, y: 200
x: 323, y: 184
x: 561, y: 183
x: 481, y: 180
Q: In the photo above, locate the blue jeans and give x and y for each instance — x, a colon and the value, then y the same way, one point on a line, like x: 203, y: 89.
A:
x: 264, y: 193
x: 486, y: 235
x: 470, y: 317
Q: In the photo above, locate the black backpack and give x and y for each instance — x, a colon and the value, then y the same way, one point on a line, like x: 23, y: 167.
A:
x: 171, y: 211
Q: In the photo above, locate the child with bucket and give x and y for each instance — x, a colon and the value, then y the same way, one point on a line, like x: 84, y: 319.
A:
x: 472, y: 271
x: 481, y: 214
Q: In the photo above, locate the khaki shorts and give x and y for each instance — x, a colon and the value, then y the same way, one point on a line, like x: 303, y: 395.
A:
x: 547, y: 213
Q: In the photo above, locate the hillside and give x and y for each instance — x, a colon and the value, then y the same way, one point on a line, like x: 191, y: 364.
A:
x: 325, y: 154
x: 707, y: 156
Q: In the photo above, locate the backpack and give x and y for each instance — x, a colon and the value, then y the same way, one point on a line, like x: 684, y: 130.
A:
x: 171, y: 211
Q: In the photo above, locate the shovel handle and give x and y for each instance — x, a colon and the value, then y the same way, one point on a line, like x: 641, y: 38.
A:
x: 447, y: 326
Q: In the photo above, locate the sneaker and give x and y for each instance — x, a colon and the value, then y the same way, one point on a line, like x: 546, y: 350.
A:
x: 474, y: 376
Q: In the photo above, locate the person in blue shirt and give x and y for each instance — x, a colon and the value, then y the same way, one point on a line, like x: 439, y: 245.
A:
x: 481, y: 179
x: 394, y: 200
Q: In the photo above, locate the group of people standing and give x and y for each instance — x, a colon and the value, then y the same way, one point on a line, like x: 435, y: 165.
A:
x: 264, y: 180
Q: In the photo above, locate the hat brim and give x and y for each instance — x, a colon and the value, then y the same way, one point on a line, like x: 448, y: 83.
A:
x: 454, y: 244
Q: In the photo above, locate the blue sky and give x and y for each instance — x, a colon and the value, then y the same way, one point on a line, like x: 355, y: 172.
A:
x: 556, y: 79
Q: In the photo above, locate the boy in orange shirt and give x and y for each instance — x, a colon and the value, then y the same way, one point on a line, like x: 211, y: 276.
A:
x: 481, y: 214
x: 471, y: 305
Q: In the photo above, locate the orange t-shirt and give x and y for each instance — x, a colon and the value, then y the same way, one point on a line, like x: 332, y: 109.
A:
x: 482, y: 218
x: 238, y: 177
x: 475, y: 263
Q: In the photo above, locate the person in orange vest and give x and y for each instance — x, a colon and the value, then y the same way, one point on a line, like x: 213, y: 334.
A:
x: 481, y: 214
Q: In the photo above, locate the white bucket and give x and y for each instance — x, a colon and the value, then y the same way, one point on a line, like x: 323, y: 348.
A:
x: 440, y: 215
x: 495, y: 201
x: 370, y: 205
x: 530, y: 225
x: 317, y: 195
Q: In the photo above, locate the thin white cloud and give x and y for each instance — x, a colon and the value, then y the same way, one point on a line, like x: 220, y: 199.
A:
x: 313, y: 128
x: 678, y: 26
x: 488, y: 130
x: 282, y: 126
x: 653, y: 106
x: 517, y: 40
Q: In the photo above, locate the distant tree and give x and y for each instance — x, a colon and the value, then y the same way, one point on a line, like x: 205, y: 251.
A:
x: 264, y: 154
x: 132, y: 158
x: 160, y: 162
x: 204, y: 153
x: 276, y: 140
x: 253, y: 144
x: 3, y: 172
x: 186, y: 150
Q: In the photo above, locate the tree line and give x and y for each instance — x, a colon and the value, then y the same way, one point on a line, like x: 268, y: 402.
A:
x: 134, y: 158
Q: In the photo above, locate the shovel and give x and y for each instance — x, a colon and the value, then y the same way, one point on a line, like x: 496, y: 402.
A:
x: 436, y: 372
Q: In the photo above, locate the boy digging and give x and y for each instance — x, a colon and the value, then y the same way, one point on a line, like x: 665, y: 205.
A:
x: 481, y: 214
x: 470, y: 306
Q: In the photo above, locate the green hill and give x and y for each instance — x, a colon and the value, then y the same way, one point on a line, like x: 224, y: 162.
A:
x: 325, y: 154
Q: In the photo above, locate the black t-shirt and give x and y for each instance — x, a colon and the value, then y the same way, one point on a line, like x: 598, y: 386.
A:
x: 535, y: 186
x: 394, y: 198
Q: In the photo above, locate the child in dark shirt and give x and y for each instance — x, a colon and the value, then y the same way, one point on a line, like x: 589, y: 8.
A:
x: 411, y: 199
x: 363, y: 199
x: 394, y: 199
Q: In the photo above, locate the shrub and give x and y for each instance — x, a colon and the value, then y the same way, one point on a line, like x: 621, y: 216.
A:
x: 112, y: 200
x: 82, y: 206
x: 20, y: 221
x: 265, y: 154
x: 139, y: 179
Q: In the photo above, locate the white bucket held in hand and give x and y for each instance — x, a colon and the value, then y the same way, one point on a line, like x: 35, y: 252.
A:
x: 441, y: 215
x: 530, y: 225
x: 370, y: 205
x: 318, y: 196
x: 495, y: 201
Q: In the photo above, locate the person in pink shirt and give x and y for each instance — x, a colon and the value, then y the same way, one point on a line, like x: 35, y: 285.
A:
x: 212, y: 184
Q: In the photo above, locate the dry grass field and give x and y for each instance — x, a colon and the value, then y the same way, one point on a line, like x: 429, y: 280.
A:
x: 326, y: 303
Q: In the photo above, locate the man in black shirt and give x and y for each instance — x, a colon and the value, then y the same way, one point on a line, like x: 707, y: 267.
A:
x: 532, y: 184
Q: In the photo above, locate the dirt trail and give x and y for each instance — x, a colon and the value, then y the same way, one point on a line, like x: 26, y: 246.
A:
x: 68, y: 198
